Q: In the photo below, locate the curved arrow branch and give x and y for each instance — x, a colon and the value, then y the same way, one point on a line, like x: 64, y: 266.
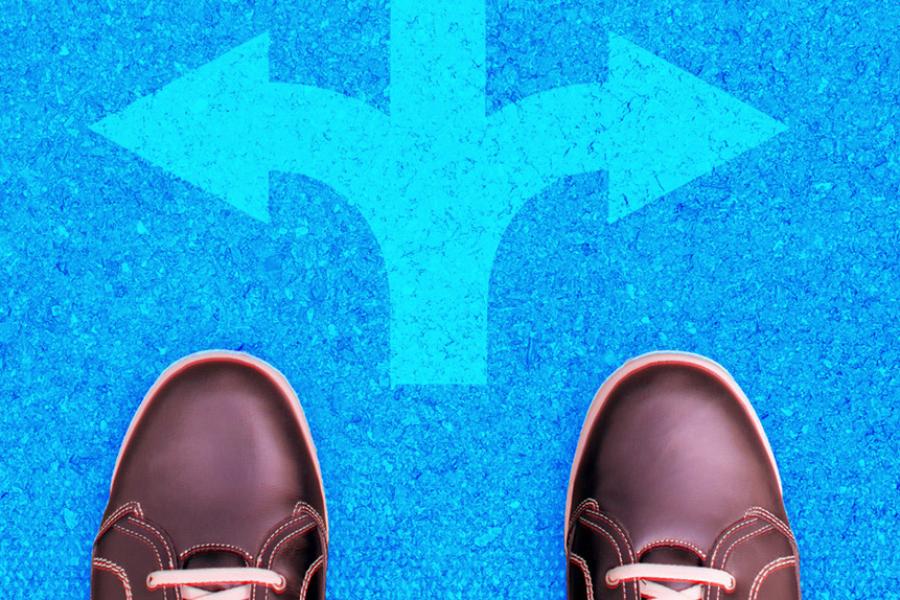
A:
x: 324, y: 135
x: 549, y: 135
x: 225, y: 126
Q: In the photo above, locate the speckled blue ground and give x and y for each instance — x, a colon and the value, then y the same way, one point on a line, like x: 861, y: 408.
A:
x: 783, y: 265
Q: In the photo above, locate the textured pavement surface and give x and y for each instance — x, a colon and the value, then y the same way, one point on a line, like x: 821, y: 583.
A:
x: 782, y: 265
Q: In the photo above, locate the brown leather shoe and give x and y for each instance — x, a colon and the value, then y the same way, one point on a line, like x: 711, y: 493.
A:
x: 217, y: 492
x: 674, y: 491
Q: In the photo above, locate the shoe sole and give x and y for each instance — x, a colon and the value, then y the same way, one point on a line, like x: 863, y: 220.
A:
x: 654, y: 359
x: 227, y: 356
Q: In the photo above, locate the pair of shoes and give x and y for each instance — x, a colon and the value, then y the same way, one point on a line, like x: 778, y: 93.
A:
x: 217, y: 492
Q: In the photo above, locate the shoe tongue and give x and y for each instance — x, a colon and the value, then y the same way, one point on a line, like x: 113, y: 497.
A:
x: 214, y: 559
x: 671, y: 555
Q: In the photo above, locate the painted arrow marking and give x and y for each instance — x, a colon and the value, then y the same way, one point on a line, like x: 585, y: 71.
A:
x: 652, y: 126
x: 438, y: 180
x: 226, y: 126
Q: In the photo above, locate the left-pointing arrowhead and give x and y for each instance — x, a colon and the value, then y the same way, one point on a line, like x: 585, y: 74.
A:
x: 674, y: 128
x: 202, y: 127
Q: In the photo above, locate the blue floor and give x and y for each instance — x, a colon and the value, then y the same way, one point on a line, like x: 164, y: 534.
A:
x: 783, y: 264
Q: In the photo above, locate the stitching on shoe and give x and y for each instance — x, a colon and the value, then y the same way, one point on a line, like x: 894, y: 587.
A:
x: 618, y: 529
x: 313, y: 569
x: 583, y: 506
x: 766, y: 515
x: 734, y: 528
x: 592, y: 507
x: 129, y: 507
x: 323, y: 527
x: 170, y: 555
x: 301, y: 511
x: 599, y: 528
x: 775, y: 565
x: 672, y: 542
x: 625, y: 540
x: 322, y: 531
x: 262, y: 551
x: 299, y: 508
x: 574, y: 520
x: 104, y: 564
x: 144, y: 539
x: 786, y: 530
x: 278, y: 546
x: 302, y: 507
x: 766, y: 528
x: 756, y: 532
x: 717, y: 546
x: 286, y: 538
x: 140, y: 521
x: 225, y: 547
x: 755, y: 513
x: 588, y: 581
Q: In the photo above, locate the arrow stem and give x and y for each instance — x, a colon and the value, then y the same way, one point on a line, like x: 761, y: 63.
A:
x: 437, y: 64
x: 438, y: 315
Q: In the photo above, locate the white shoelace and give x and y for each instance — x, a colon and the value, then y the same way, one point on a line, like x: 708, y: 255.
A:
x: 242, y: 578
x: 647, y: 574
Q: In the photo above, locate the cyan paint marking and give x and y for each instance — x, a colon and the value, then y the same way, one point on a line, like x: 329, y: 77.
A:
x: 438, y: 180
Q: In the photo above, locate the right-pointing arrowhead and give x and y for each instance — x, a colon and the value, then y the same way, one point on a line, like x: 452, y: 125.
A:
x: 674, y: 128
x: 200, y: 127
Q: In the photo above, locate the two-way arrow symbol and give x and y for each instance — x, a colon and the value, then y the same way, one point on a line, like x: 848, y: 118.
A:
x: 438, y: 179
